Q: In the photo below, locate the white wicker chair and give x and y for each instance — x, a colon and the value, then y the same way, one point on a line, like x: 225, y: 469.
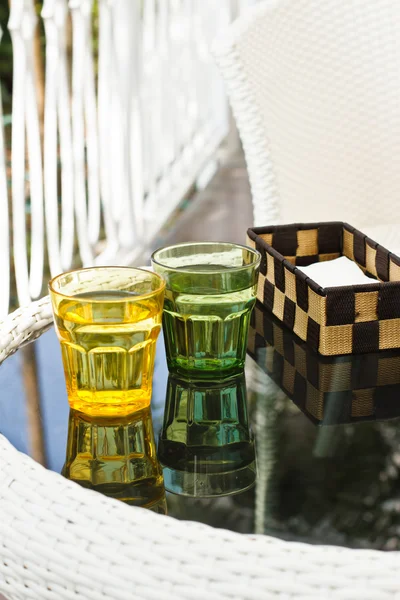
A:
x: 59, y: 541
x: 315, y: 89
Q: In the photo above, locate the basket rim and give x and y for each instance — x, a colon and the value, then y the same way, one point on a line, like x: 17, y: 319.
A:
x: 255, y: 232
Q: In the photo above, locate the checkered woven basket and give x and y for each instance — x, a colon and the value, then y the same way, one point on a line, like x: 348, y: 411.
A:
x: 329, y: 390
x: 335, y: 320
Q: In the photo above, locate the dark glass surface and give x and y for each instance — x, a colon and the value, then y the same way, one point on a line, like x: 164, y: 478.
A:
x: 320, y: 478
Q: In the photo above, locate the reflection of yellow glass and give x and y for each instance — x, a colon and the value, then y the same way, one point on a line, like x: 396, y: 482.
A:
x: 116, y: 457
x: 108, y: 320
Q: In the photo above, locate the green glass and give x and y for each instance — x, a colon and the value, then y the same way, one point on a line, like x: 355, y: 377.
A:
x: 210, y: 292
x: 116, y: 457
x: 205, y: 446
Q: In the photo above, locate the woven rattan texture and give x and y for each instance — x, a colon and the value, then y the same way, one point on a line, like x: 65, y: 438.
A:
x: 328, y: 389
x: 23, y: 326
x: 306, y: 79
x: 61, y: 542
x: 334, y: 321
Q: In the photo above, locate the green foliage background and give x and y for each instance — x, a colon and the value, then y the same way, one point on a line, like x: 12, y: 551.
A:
x: 6, y: 50
x: 5, y: 55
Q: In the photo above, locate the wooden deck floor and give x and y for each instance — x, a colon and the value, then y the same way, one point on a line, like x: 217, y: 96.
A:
x: 222, y: 211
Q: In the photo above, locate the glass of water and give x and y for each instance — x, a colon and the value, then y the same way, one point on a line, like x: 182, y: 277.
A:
x: 210, y: 292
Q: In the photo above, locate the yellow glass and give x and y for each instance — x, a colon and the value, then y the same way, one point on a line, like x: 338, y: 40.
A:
x: 107, y: 320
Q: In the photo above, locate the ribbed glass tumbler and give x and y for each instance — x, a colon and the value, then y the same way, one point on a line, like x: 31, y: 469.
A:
x: 107, y: 320
x: 210, y: 292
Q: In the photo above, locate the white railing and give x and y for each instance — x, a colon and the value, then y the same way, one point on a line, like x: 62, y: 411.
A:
x: 124, y: 134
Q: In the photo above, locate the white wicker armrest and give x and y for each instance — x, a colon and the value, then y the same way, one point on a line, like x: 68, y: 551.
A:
x: 59, y: 541
x: 24, y: 325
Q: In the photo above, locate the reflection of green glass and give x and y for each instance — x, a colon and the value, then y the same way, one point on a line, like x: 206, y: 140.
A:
x: 205, y: 444
x: 116, y: 457
x: 211, y: 290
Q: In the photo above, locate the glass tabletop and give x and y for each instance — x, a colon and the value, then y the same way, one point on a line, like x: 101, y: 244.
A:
x: 303, y: 448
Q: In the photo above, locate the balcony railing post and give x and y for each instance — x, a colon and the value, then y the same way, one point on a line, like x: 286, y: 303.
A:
x: 25, y: 119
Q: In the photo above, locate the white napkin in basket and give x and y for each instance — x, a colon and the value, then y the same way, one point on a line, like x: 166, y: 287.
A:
x: 339, y: 271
